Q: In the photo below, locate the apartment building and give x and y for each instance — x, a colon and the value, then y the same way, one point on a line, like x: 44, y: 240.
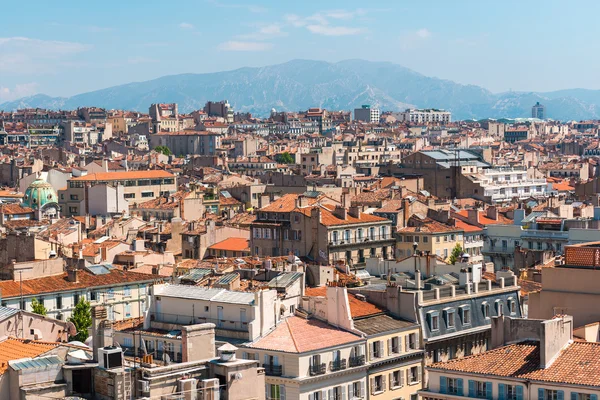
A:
x: 429, y: 236
x: 536, y: 233
x: 368, y: 114
x: 133, y: 186
x: 531, y: 360
x: 219, y: 109
x: 189, y: 141
x: 501, y: 185
x: 236, y: 314
x: 425, y: 116
x: 124, y: 293
x: 570, y: 287
x: 455, y: 318
x: 516, y: 134
x: 307, y: 359
x: 317, y: 227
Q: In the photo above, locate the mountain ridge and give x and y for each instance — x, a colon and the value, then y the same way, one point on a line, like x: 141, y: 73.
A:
x: 299, y: 84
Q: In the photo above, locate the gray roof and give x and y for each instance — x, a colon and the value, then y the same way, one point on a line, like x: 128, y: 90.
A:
x: 202, y: 293
x: 100, y: 269
x: 450, y: 155
x: 6, y: 312
x: 196, y: 274
x: 284, y: 280
x: 227, y: 278
x: 36, y: 363
x: 381, y: 324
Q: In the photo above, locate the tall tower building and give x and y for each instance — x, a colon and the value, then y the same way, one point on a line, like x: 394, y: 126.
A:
x: 538, y: 111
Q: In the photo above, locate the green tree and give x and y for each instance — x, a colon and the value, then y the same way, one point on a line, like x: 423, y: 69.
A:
x: 163, y: 150
x: 456, y: 253
x: 38, y: 307
x: 285, y: 158
x: 82, y: 319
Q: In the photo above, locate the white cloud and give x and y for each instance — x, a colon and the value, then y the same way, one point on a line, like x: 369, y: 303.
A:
x: 264, y: 32
x: 186, y: 25
x: 244, y: 46
x: 423, y: 33
x: 320, y: 23
x: 333, y: 30
x: 411, y: 40
x: 19, y: 90
x: 23, y: 55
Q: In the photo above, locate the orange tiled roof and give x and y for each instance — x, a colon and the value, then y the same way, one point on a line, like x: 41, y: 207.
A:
x: 14, y: 208
x: 117, y: 176
x: 59, y: 283
x: 358, y: 308
x: 14, y: 349
x: 328, y: 219
x: 232, y: 244
x: 466, y: 227
x: 299, y: 335
x: 286, y: 203
x: 577, y: 364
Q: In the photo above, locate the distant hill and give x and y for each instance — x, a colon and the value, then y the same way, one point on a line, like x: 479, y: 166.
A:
x: 345, y: 85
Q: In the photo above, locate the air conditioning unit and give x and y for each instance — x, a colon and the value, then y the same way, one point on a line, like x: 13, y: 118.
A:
x: 186, y: 385
x: 143, y: 386
x: 110, y: 357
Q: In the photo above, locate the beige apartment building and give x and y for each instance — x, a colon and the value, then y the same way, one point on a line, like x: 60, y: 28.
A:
x: 571, y: 287
x: 188, y: 141
x: 318, y: 227
x: 133, y: 186
x: 430, y: 236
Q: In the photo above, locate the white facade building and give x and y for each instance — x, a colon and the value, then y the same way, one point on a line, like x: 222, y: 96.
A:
x: 367, y: 114
x: 426, y: 115
x: 500, y: 185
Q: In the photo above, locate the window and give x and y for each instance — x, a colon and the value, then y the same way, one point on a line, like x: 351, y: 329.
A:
x: 127, y: 342
x: 110, y: 293
x: 318, y: 395
x: 275, y: 392
x: 257, y: 233
x: 512, y: 306
x: 485, y: 307
x: 465, y: 315
x: 267, y: 233
x: 417, y: 238
x: 437, y: 239
x: 375, y: 350
x: 434, y: 321
x: 414, y: 375
x: 147, y: 194
x: 93, y: 296
x: 75, y: 298
x: 412, y: 341
x: 480, y: 390
x: 74, y: 197
x: 546, y: 394
x: 394, y: 345
x: 59, y: 304
x: 127, y: 291
x: 127, y: 310
x: 397, y: 379
x: 129, y: 195
x: 499, y: 308
x: 73, y: 210
x: 449, y: 318
x: 356, y: 390
x: 425, y: 239
x: 510, y: 392
x: 583, y: 396
x: 378, y: 384
x: 452, y: 386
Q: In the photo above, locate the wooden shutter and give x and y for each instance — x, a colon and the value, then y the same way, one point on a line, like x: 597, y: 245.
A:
x: 372, y: 384
x: 363, y: 392
x: 383, y: 383
x: 443, y: 385
x: 501, y: 391
x: 350, y: 391
x: 389, y: 343
x: 540, y: 394
x: 282, y: 392
x: 459, y: 384
x: 343, y: 389
x: 418, y: 373
x: 561, y: 395
x: 471, y: 388
x: 488, y: 391
x: 371, y: 347
x: 520, y: 392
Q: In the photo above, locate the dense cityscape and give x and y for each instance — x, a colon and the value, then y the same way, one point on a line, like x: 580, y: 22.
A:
x: 313, y: 255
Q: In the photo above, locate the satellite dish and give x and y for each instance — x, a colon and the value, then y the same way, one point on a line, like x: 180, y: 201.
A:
x: 322, y: 254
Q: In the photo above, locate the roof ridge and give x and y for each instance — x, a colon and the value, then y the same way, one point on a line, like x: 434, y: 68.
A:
x: 292, y: 335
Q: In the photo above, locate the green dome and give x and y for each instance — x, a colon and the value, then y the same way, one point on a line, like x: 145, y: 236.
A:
x: 38, y: 194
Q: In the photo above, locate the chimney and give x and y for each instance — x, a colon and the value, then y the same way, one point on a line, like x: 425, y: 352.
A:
x: 492, y: 213
x: 354, y: 212
x: 105, y: 165
x: 73, y: 275
x: 405, y: 212
x: 473, y: 216
x: 346, y: 200
x: 156, y: 269
x: 103, y: 253
x: 340, y: 212
x: 315, y: 213
x: 100, y: 325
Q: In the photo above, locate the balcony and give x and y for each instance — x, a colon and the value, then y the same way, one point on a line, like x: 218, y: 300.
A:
x: 317, y: 369
x: 357, y: 361
x: 541, y: 234
x: 337, y: 365
x: 227, y: 324
x: 362, y: 240
x: 273, y: 370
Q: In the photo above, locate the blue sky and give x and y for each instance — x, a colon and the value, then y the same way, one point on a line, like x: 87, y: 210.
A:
x: 72, y: 46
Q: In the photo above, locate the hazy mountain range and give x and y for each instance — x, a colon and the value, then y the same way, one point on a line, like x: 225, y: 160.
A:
x: 300, y: 84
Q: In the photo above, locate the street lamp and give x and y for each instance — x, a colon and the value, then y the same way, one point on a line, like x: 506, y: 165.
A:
x: 415, y: 245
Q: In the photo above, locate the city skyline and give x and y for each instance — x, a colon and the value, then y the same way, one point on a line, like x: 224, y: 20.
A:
x: 63, y: 50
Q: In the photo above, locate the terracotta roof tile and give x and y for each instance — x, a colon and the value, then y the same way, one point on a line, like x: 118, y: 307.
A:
x: 358, y: 308
x: 14, y: 349
x: 299, y: 335
x: 577, y: 364
x: 115, y: 176
x: 232, y: 244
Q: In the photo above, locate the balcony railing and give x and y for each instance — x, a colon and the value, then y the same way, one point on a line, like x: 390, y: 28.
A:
x: 273, y: 370
x: 366, y: 239
x: 337, y: 365
x: 357, y: 361
x: 318, y: 369
x: 227, y: 324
